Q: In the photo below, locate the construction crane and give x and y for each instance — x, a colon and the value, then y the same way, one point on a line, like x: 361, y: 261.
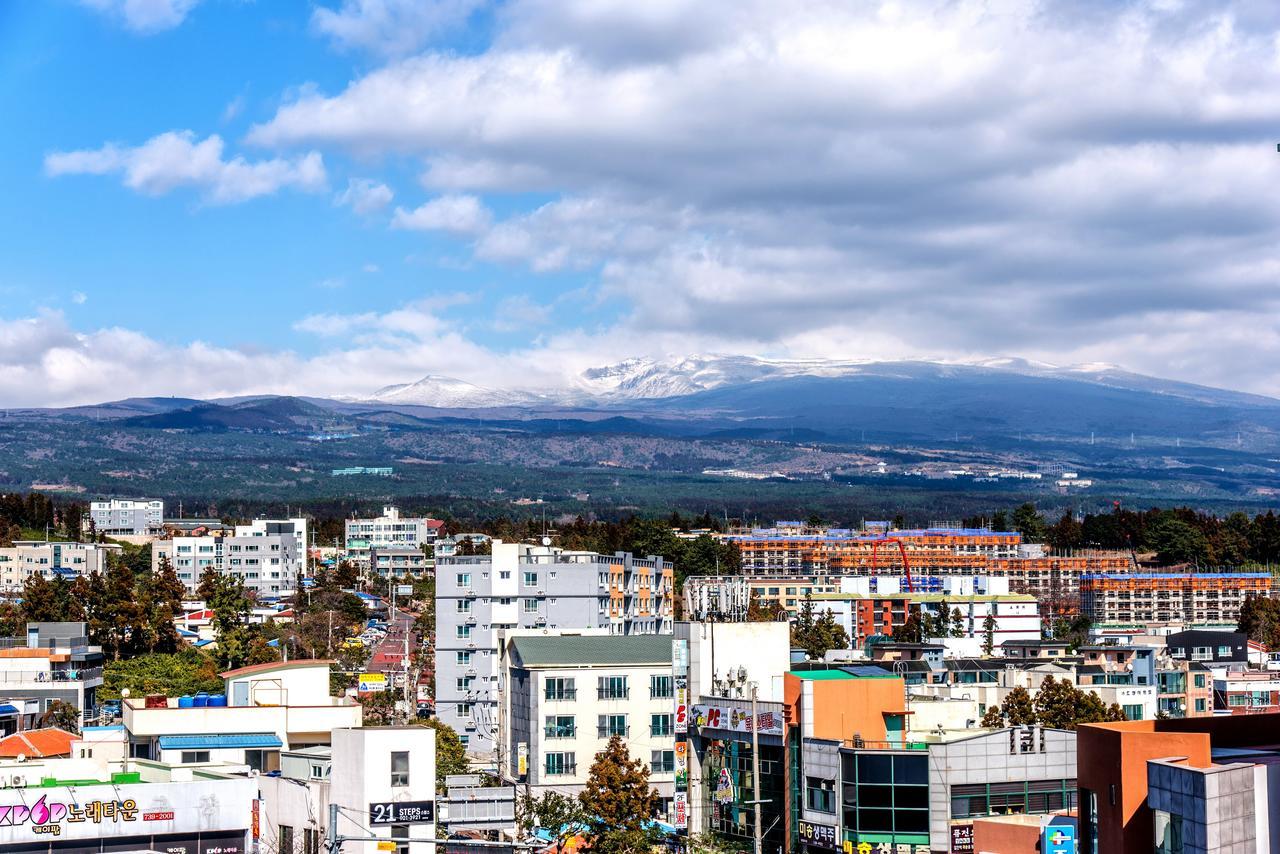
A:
x: 906, y: 564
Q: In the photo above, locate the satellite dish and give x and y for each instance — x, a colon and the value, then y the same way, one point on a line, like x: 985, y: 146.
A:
x: 124, y: 692
x: 546, y: 541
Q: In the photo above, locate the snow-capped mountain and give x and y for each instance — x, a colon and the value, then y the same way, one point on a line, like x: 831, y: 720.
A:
x: 646, y: 379
x: 449, y: 393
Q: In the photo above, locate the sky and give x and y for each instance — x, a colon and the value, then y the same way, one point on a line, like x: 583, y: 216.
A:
x: 221, y: 197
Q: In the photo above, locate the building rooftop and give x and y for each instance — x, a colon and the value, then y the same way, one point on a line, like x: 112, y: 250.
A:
x: 275, y: 665
x: 37, y: 743
x: 568, y: 650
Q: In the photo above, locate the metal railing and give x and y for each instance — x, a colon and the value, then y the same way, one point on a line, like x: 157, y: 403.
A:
x: 50, y: 675
x: 566, y: 694
x: 611, y: 731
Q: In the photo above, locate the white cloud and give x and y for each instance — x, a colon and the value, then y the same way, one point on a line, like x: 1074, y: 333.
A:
x: 177, y: 159
x: 145, y: 16
x: 460, y: 214
x: 938, y: 178
x: 79, y: 297
x: 365, y: 196
x: 390, y: 27
x: 371, y: 268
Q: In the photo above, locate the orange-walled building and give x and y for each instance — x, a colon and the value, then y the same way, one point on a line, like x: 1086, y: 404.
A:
x: 838, y: 706
x: 1112, y: 770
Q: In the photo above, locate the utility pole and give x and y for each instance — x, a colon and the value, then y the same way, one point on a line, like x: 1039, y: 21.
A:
x: 755, y: 774
x: 333, y: 843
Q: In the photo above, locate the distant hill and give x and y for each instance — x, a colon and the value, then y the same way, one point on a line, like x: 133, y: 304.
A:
x: 271, y: 413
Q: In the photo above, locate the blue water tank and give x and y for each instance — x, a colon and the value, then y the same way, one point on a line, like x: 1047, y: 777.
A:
x: 185, y: 702
x: 202, y: 700
x: 218, y: 700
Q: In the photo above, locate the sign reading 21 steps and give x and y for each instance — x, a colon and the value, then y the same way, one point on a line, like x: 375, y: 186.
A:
x: 402, y: 812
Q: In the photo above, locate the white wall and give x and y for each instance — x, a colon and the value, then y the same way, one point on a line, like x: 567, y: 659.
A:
x: 763, y: 649
x: 362, y: 776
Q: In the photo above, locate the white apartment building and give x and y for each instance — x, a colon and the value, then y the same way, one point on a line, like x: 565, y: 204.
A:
x: 266, y: 555
x: 263, y: 710
x: 383, y: 780
x: 520, y: 586
x: 127, y: 517
x: 26, y: 558
x: 52, y: 662
x: 389, y: 531
x: 566, y: 694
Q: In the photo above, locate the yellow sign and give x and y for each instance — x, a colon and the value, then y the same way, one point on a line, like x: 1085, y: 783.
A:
x: 386, y: 846
x: 372, y: 682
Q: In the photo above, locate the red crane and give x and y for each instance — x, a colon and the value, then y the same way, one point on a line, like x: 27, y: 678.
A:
x: 906, y: 564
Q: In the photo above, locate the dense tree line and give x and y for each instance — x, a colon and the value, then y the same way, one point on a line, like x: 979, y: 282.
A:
x: 1176, y: 536
x: 36, y: 513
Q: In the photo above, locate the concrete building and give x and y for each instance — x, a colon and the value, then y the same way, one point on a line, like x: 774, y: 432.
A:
x: 128, y: 517
x: 266, y: 555
x: 84, y: 805
x: 389, y: 531
x: 518, y: 586
x: 864, y: 616
x: 1201, y: 785
x: 398, y: 561
x: 567, y: 695
x: 50, y: 560
x: 383, y: 780
x: 785, y: 550
x: 1202, y: 599
x: 1246, y: 693
x: 265, y: 709
x: 53, y: 662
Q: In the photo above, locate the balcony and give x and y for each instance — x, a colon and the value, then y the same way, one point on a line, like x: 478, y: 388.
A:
x: 605, y: 694
x: 323, y: 717
x: 568, y: 694
x: 560, y: 732
x: 12, y: 678
x: 561, y: 770
x: 611, y: 731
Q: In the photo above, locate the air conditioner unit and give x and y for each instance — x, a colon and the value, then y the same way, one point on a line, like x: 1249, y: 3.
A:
x: 18, y: 781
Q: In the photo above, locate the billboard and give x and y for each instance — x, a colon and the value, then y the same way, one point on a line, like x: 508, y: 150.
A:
x: 372, y: 682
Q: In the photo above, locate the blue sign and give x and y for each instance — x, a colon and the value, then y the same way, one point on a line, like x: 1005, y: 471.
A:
x: 1058, y: 839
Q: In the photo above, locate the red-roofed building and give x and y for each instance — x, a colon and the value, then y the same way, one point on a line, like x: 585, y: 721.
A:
x: 44, y: 743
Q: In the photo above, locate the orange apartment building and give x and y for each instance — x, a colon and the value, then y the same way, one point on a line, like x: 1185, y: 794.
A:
x: 1145, y: 599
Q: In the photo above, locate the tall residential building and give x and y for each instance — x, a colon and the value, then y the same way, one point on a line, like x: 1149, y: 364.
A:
x: 518, y: 586
x: 26, y: 558
x: 129, y: 517
x: 266, y: 555
x: 389, y: 531
x: 785, y: 551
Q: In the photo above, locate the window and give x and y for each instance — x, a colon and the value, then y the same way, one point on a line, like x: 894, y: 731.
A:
x: 660, y: 687
x: 286, y: 839
x: 530, y: 606
x: 612, y: 688
x: 559, y: 764
x: 1133, y: 711
x: 463, y: 656
x: 560, y: 688
x: 399, y: 832
x: 1199, y: 680
x: 310, y: 841
x: 1224, y: 652
x: 820, y: 795
x: 464, y: 631
x: 190, y: 756
x: 318, y: 772
x: 463, y: 683
x: 464, y: 606
x: 531, y: 579
x: 560, y: 726
x: 662, y: 761
x: 463, y: 710
x: 399, y: 768
x: 659, y: 725
x: 464, y: 579
x: 610, y: 725
x: 1200, y: 704
x: 1168, y: 828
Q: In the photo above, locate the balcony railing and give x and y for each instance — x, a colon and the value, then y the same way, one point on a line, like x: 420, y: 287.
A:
x: 566, y: 694
x: 605, y: 694
x: 611, y: 731
x: 11, y: 676
x: 567, y: 770
x: 560, y: 732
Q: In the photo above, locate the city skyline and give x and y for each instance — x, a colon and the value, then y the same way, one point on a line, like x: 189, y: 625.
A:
x: 216, y: 198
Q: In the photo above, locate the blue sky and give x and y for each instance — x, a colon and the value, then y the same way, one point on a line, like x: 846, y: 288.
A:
x: 212, y: 197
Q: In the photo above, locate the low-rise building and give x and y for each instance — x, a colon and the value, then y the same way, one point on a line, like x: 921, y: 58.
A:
x: 390, y: 531
x: 568, y: 694
x: 398, y: 561
x: 266, y: 556
x: 382, y: 779
x: 867, y: 615
x: 51, y: 560
x: 1246, y: 693
x: 53, y: 662
x: 127, y: 517
x: 82, y: 804
x: 265, y: 708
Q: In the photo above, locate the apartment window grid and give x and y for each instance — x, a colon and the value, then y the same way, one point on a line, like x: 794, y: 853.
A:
x: 560, y: 726
x: 608, y: 726
x: 560, y: 688
x: 660, y: 688
x: 888, y: 794
x: 660, y: 725
x: 662, y: 761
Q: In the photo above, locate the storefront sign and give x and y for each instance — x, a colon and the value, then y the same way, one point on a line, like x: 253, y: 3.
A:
x: 737, y: 720
x: 962, y: 839
x: 884, y: 848
x: 402, y: 812
x: 203, y: 810
x: 522, y: 758
x: 682, y: 765
x: 681, y: 705
x: 680, y: 810
x: 818, y: 835
x: 1058, y: 839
